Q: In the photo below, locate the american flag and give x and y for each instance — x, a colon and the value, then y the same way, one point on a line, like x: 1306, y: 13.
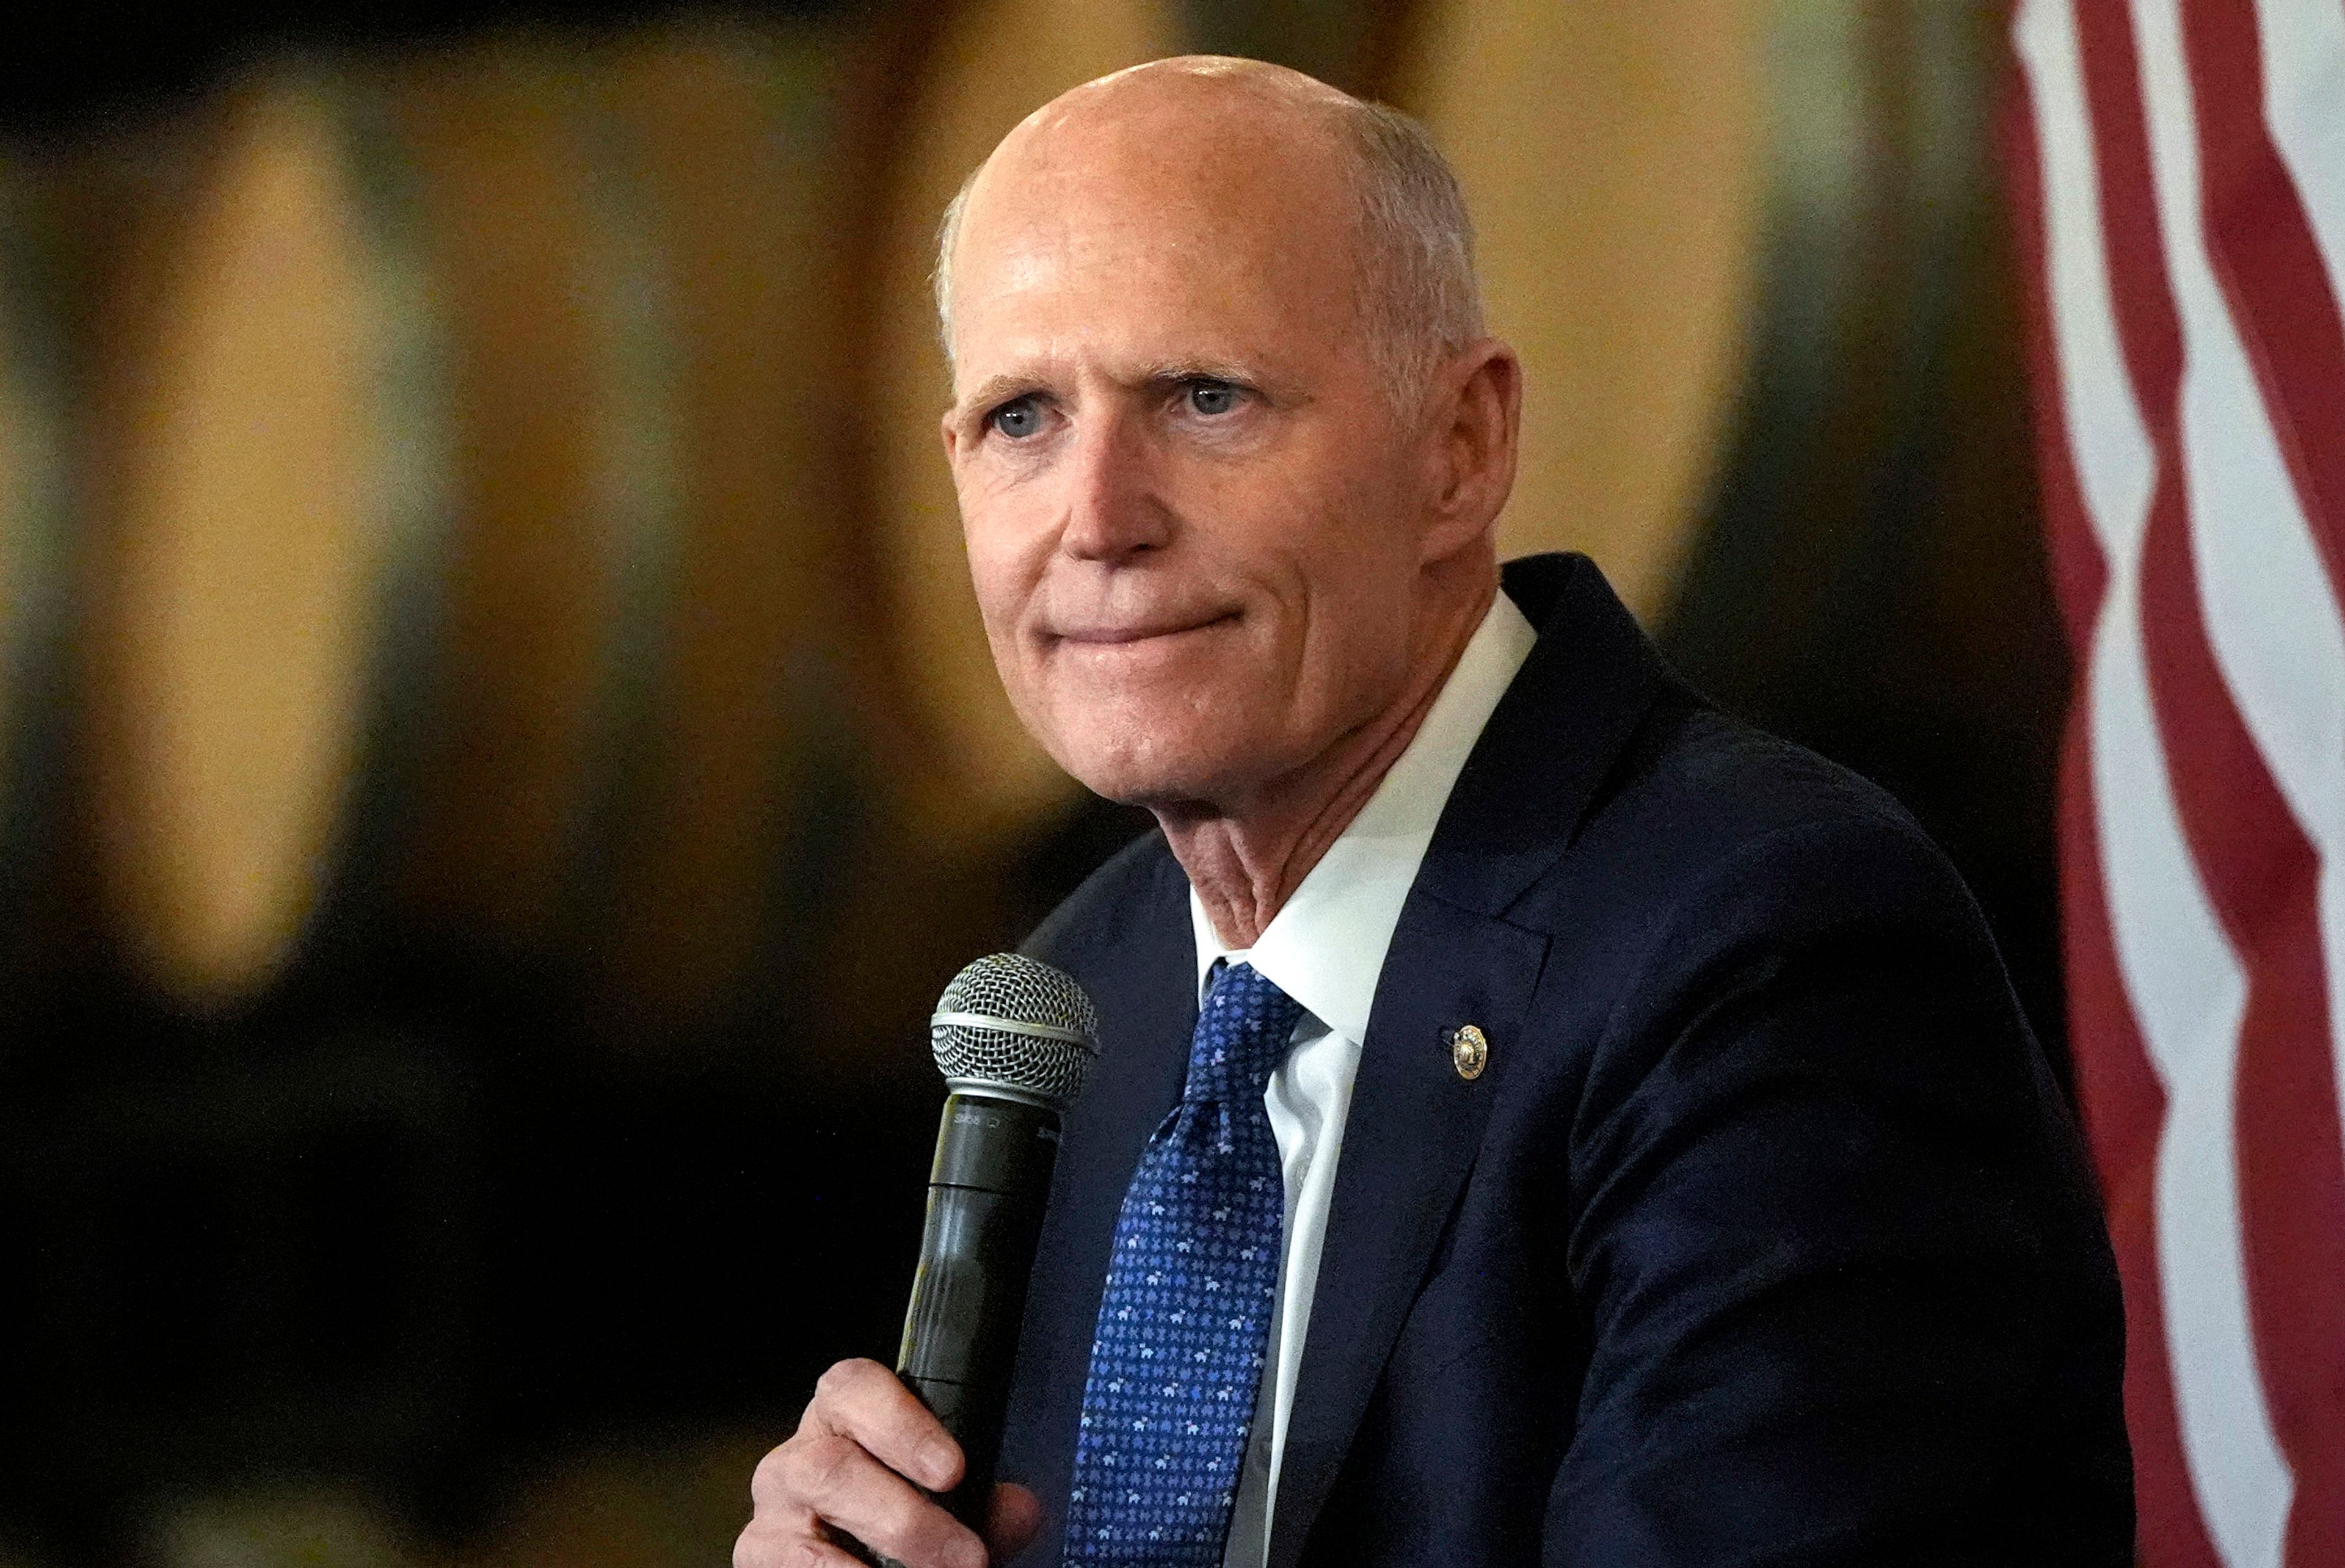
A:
x: 2179, y: 168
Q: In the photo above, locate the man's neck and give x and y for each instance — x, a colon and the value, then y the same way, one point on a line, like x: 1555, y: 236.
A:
x: 1245, y: 863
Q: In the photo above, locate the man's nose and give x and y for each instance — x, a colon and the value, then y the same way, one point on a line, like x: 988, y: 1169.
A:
x: 1113, y: 509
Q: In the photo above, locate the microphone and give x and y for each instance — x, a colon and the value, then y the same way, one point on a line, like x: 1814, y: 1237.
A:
x: 1015, y: 1039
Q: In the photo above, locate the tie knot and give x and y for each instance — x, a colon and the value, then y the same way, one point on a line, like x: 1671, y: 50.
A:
x: 1242, y: 1032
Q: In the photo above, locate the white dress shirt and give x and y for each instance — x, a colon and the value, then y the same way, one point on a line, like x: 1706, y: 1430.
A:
x: 1325, y: 948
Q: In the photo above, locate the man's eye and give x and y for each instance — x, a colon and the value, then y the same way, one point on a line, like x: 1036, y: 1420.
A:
x: 1211, y: 397
x: 1016, y: 418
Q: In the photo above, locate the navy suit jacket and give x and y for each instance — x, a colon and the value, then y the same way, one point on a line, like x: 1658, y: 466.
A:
x: 1764, y: 1238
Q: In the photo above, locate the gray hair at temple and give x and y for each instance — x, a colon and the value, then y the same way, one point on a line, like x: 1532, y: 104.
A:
x: 1419, y: 293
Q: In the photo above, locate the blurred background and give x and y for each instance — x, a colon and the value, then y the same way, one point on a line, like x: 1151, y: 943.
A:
x: 496, y: 754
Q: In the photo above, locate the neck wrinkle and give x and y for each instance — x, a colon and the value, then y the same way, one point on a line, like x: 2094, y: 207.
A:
x: 1246, y: 865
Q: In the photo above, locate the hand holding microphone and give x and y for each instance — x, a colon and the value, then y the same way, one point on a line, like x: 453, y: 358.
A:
x: 903, y: 1463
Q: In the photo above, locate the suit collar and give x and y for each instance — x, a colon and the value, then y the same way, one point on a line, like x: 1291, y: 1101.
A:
x: 1326, y: 947
x: 1415, y: 1124
x: 1556, y: 734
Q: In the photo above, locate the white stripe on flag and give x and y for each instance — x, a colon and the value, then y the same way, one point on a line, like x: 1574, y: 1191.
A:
x: 2303, y: 44
x: 2185, y: 983
x: 2271, y: 617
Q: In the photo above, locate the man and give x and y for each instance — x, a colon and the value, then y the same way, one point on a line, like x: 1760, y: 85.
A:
x: 1668, y: 1174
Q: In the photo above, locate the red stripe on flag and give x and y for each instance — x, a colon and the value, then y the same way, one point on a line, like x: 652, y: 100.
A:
x: 2123, y: 1106
x: 2140, y: 292
x: 2261, y: 875
x: 2258, y: 867
x: 2269, y: 265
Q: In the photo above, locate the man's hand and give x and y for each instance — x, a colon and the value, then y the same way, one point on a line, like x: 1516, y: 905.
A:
x: 861, y: 1453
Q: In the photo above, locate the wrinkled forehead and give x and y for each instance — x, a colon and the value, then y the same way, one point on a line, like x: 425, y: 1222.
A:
x: 1186, y: 218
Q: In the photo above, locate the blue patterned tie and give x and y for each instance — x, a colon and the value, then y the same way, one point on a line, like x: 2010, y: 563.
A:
x: 1177, y: 1358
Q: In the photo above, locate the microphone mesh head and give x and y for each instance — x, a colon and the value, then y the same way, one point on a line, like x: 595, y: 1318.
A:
x: 1002, y: 1022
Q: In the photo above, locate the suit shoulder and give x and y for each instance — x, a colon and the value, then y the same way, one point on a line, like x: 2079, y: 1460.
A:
x: 1132, y: 884
x: 1702, y: 805
x: 1698, y: 760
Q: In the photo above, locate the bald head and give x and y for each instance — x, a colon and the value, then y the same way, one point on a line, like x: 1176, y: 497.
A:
x: 1206, y: 147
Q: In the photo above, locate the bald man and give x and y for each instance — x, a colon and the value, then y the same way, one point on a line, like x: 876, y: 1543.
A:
x: 1539, y: 1119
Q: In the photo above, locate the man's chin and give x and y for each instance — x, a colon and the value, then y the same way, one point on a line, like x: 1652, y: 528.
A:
x: 1157, y: 745
x: 1156, y: 778
x: 1154, y: 792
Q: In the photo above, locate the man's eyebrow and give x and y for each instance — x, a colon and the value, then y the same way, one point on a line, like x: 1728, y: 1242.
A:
x: 1172, y: 371
x: 992, y: 390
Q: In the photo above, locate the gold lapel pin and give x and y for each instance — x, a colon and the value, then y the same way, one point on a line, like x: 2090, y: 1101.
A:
x: 1469, y: 1051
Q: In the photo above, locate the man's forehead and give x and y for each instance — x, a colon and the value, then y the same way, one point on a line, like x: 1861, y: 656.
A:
x: 1128, y: 305
x: 1229, y: 181
x: 1169, y: 227
x: 1044, y: 252
x: 1136, y: 305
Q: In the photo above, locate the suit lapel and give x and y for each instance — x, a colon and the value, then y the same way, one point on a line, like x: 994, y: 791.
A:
x: 1409, y: 1139
x: 1414, y: 1123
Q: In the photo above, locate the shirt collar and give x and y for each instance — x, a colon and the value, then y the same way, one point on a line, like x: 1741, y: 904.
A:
x: 1326, y: 947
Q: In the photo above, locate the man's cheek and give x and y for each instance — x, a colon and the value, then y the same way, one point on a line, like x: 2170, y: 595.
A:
x: 1001, y: 595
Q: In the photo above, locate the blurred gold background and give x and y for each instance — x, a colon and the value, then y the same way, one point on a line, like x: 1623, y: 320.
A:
x: 497, y: 751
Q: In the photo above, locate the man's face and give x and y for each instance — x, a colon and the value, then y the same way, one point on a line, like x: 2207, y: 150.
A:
x: 1192, y: 516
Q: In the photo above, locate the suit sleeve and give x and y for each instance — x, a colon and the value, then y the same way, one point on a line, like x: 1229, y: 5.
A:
x: 1848, y: 1291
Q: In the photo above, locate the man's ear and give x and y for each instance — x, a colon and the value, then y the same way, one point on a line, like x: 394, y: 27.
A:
x: 1476, y: 422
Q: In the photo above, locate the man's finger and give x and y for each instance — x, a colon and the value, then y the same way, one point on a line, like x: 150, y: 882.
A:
x: 864, y: 1401
x: 846, y: 1487
x: 1012, y: 1521
x: 766, y: 1545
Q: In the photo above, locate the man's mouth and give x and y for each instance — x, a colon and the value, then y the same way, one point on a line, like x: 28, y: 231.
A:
x: 1122, y: 634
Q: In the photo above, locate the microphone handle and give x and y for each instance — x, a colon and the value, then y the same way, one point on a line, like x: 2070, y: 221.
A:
x: 987, y: 1193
